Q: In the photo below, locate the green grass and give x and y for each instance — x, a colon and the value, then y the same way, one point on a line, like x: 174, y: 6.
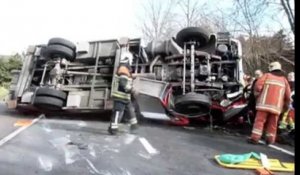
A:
x: 3, y: 93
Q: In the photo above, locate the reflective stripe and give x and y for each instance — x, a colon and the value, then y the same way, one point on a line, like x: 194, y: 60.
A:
x: 121, y: 95
x: 274, y: 109
x: 116, y: 118
x: 133, y: 121
x: 280, y: 97
x: 118, y: 94
x: 274, y: 82
x: 270, y: 135
x: 114, y: 126
x: 265, y: 91
x: 257, y: 131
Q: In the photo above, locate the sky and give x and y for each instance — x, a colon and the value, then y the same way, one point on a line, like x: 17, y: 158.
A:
x: 30, y: 22
x: 25, y: 22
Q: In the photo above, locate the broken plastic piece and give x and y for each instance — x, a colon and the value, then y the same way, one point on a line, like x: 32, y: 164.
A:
x: 263, y: 171
x: 180, y: 121
x: 22, y: 123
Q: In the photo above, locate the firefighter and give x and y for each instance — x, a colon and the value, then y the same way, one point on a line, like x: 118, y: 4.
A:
x: 273, y: 93
x: 121, y: 94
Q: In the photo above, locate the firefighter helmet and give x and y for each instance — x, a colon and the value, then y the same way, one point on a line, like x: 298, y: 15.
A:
x: 126, y: 58
x: 274, y: 66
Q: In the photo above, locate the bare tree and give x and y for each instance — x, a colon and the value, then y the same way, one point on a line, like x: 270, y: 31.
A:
x: 289, y: 13
x: 158, y: 20
x: 190, y: 11
x: 284, y: 6
x: 197, y: 13
x: 248, y: 16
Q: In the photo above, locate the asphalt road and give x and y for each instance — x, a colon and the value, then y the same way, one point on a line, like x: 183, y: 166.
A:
x: 8, y: 118
x: 78, y: 146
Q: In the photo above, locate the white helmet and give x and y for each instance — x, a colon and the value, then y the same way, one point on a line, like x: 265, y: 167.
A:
x: 126, y: 58
x: 274, y: 66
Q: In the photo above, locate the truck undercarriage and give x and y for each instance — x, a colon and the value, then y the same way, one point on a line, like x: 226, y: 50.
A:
x: 195, y: 75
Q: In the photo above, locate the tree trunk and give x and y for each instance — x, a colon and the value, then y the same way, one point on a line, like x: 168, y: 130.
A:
x: 289, y: 14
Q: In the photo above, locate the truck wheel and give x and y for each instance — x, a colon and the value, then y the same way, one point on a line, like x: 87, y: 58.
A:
x: 60, y: 51
x: 51, y: 93
x: 193, y: 104
x: 62, y: 42
x: 48, y: 103
x: 197, y: 34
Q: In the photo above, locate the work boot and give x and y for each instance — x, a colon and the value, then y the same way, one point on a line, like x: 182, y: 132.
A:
x: 251, y: 141
x: 112, y: 131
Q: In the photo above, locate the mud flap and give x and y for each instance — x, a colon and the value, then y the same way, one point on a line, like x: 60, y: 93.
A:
x: 151, y: 107
x: 151, y: 97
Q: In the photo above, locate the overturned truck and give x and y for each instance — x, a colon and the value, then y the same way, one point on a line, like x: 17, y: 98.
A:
x: 193, y: 75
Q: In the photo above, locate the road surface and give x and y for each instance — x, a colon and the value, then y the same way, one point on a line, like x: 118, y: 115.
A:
x: 78, y: 146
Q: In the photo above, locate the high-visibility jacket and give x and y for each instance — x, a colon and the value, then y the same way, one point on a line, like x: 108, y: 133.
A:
x: 273, y: 93
x: 122, y: 85
x: 288, y: 120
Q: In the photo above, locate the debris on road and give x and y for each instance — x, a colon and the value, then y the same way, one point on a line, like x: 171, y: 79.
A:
x: 189, y: 128
x: 45, y: 163
x: 22, y: 123
x: 263, y: 171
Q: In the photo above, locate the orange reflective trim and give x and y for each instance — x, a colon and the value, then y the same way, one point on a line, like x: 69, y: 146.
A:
x: 265, y: 92
x: 274, y: 82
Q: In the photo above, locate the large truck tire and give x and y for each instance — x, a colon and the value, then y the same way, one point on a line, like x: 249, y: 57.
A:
x: 198, y: 34
x: 48, y: 103
x: 62, y: 42
x: 193, y: 104
x: 51, y: 93
x: 53, y: 51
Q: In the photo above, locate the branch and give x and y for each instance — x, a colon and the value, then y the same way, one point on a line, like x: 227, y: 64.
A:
x: 288, y: 15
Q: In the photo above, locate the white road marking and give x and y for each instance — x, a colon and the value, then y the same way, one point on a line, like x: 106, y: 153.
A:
x: 18, y: 131
x: 278, y: 148
x: 282, y: 150
x: 148, y: 146
x: 145, y: 156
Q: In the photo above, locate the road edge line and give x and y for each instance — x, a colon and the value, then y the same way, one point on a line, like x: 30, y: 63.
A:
x: 18, y: 131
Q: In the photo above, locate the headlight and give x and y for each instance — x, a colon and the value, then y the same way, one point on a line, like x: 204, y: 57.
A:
x: 225, y: 78
x: 222, y: 48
